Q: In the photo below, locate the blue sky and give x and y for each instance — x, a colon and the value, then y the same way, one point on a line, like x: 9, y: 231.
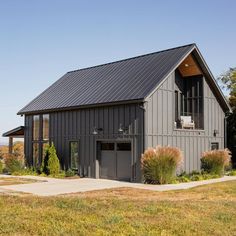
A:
x: 42, y: 40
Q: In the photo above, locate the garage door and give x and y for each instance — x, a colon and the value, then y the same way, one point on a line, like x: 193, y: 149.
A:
x: 115, y: 160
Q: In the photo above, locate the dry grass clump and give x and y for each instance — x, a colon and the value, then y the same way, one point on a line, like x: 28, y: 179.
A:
x: 215, y: 161
x: 159, y: 164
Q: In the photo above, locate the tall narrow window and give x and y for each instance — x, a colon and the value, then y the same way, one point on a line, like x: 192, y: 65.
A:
x: 193, y: 100
x: 36, y: 154
x: 40, y: 138
x: 36, y: 124
x: 45, y: 126
x: 74, y: 155
x: 176, y: 106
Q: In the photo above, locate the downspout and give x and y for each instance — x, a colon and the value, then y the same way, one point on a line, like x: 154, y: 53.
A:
x: 143, y: 133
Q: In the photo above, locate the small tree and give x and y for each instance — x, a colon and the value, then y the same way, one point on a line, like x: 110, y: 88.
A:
x: 53, y: 161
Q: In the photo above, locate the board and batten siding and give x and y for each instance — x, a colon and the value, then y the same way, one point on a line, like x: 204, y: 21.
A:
x: 77, y: 125
x: 159, y: 124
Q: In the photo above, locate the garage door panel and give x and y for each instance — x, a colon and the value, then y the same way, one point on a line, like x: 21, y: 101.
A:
x: 124, y: 165
x: 115, y: 160
x: 108, y: 164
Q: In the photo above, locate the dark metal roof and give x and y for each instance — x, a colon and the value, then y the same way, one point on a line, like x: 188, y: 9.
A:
x: 129, y: 79
x: 17, y: 132
x: 121, y: 81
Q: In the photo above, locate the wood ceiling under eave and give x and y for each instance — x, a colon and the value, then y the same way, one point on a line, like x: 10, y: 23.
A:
x: 189, y: 67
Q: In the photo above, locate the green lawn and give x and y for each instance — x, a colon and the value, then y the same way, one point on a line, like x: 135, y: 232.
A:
x: 206, y: 210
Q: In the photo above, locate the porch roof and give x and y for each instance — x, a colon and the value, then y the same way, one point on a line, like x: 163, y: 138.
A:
x: 18, y: 132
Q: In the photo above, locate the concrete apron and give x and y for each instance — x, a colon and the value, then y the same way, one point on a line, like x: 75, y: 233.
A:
x: 52, y: 186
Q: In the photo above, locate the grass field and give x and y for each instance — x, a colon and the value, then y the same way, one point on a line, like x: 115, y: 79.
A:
x: 206, y: 210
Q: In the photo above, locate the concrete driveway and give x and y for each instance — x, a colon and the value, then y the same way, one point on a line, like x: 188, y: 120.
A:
x: 52, y: 186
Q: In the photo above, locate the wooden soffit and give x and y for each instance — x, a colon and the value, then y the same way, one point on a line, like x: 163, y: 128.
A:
x: 189, y: 67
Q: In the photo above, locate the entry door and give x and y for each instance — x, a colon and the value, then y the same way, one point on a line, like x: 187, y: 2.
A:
x: 116, y: 161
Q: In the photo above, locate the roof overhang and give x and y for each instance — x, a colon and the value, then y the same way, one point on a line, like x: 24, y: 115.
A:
x: 124, y: 102
x: 15, y: 133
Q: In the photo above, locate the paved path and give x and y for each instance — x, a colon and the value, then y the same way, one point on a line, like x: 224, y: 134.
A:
x: 52, y: 186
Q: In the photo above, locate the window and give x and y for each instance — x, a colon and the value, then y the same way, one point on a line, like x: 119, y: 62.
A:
x: 193, y: 100
x: 35, y: 154
x: 123, y: 146
x: 45, y: 127
x: 214, y: 146
x: 74, y: 155
x: 176, y: 106
x: 36, y: 124
x: 40, y: 138
x: 189, y: 102
x: 107, y: 146
x: 44, y: 150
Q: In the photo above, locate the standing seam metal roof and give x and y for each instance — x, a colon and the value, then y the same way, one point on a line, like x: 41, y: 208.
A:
x: 129, y: 79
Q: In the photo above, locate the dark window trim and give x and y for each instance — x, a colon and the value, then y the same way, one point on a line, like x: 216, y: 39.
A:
x: 40, y: 141
x: 214, y: 144
x: 193, y: 98
x: 69, y: 161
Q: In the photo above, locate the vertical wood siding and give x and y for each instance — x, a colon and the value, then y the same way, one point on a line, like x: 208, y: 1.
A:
x: 159, y: 124
x: 66, y: 126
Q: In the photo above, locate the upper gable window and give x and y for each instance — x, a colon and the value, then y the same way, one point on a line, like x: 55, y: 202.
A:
x: 189, y: 102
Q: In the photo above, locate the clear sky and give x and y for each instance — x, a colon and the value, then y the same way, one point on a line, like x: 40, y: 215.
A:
x: 42, y: 40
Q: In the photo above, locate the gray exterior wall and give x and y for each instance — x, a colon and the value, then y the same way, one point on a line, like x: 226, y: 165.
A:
x: 159, y: 124
x: 66, y: 126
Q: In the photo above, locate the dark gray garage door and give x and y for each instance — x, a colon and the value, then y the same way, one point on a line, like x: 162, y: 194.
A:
x: 115, y: 160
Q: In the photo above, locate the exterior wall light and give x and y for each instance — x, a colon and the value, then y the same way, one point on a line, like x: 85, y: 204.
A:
x: 96, y: 130
x: 122, y: 129
x: 215, y: 132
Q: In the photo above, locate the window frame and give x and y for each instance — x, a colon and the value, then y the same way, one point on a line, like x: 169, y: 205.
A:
x: 217, y: 145
x: 40, y: 141
x: 182, y: 102
x: 70, y: 159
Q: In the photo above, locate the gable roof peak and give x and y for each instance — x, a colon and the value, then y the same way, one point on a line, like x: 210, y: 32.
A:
x: 135, y: 57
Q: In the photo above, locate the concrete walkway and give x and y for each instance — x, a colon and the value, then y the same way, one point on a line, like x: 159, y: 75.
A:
x: 52, y: 186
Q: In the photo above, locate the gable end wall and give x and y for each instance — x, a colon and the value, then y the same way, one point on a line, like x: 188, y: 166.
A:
x: 159, y: 124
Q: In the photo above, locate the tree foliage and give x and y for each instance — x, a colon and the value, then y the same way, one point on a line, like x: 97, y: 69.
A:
x: 228, y: 79
x: 53, y: 161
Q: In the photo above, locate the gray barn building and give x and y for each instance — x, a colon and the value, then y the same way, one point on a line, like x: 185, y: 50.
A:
x: 102, y: 118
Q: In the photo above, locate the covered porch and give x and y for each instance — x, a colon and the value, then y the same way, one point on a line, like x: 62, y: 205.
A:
x: 14, y: 133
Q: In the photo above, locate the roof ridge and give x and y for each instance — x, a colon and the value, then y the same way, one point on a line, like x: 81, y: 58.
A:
x: 130, y: 58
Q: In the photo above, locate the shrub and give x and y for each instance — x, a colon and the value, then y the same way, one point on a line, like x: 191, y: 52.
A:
x: 197, y: 177
x: 53, y: 161
x: 25, y: 171
x: 13, y: 163
x: 215, y: 161
x: 183, y: 179
x: 159, y: 165
x: 232, y: 173
x: 69, y: 173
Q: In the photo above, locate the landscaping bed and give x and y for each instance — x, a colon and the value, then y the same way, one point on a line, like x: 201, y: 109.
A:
x: 13, y: 181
